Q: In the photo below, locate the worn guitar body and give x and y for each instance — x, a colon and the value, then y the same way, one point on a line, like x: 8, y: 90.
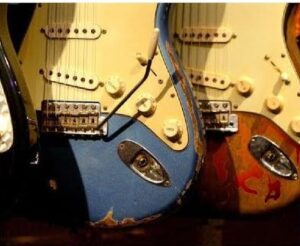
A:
x: 93, y: 53
x: 242, y: 61
x: 17, y: 129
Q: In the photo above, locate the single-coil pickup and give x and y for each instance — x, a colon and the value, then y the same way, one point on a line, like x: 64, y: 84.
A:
x: 203, y: 78
x: 80, y: 80
x: 72, y: 30
x: 205, y: 35
x: 66, y: 117
x: 6, y: 129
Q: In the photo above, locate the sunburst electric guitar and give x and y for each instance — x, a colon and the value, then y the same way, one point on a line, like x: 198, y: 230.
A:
x: 18, y: 132
x: 121, y: 136
x: 243, y: 63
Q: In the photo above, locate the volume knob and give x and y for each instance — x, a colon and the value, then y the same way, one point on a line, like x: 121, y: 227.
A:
x: 114, y: 86
x: 274, y: 104
x: 172, y: 129
x: 244, y: 86
x: 295, y: 126
x: 146, y: 104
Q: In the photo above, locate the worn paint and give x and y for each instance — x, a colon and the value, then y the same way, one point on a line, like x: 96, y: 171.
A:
x: 108, y: 221
x: 199, y: 145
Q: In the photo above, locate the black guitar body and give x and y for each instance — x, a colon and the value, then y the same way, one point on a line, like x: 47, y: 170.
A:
x: 15, y: 160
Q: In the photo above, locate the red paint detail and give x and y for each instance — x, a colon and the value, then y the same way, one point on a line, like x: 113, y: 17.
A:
x: 274, y: 189
x: 243, y: 177
x: 221, y: 170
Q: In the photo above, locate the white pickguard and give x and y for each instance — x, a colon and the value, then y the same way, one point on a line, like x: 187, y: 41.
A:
x: 257, y: 51
x: 86, y: 65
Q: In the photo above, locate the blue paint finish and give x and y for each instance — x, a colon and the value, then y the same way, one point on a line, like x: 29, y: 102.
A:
x: 161, y: 21
x: 106, y: 183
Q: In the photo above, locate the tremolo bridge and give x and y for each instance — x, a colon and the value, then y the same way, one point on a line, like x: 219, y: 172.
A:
x: 217, y: 116
x: 76, y: 118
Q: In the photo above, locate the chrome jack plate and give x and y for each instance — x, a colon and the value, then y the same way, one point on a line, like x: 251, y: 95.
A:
x: 270, y: 156
x: 139, y: 160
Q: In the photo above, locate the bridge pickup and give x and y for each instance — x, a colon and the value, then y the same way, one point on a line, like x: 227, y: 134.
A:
x: 72, y: 30
x: 206, y: 79
x: 205, y: 34
x: 80, y: 80
x: 76, y: 118
x: 217, y: 116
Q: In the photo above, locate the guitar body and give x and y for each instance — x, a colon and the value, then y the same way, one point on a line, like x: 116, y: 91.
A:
x: 17, y: 128
x: 247, y: 59
x: 233, y: 181
x: 90, y: 173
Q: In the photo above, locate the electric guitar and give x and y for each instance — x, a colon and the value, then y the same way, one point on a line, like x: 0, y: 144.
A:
x: 18, y: 133
x: 121, y: 152
x: 243, y: 63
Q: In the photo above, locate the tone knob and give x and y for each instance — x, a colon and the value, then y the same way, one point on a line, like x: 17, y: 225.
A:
x: 284, y: 77
x: 274, y: 104
x: 244, y: 86
x: 172, y: 129
x: 146, y: 104
x: 114, y: 86
x: 295, y: 126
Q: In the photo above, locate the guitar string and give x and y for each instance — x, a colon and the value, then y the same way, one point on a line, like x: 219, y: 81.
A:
x: 68, y: 42
x: 46, y: 72
x: 196, y: 86
x: 54, y: 87
x: 86, y: 68
x: 93, y: 56
x: 82, y: 52
x: 59, y: 55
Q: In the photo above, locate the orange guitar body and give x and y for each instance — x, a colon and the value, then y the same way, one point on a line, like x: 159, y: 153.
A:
x: 233, y: 180
x: 244, y: 63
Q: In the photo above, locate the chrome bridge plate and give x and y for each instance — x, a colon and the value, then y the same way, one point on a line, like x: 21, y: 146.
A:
x: 69, y: 117
x: 270, y: 156
x: 217, y: 116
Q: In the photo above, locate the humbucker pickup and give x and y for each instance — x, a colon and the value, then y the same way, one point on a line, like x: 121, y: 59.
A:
x: 68, y: 117
x: 217, y: 116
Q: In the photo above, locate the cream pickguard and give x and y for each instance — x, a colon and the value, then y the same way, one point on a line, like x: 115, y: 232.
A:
x: 237, y: 52
x: 80, y: 62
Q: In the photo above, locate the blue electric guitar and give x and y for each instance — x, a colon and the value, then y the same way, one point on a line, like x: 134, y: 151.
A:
x: 120, y: 132
x: 18, y: 133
